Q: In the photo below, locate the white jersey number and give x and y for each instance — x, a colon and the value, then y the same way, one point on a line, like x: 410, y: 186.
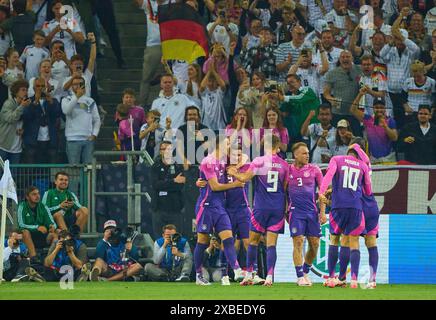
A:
x: 300, y: 182
x: 351, y: 177
x: 273, y: 177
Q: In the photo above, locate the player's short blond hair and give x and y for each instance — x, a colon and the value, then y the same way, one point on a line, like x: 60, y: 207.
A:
x: 297, y: 146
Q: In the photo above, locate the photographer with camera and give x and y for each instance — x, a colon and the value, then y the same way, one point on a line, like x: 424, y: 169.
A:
x: 40, y: 121
x: 15, y: 259
x: 82, y: 123
x: 172, y: 257
x: 116, y: 256
x: 68, y: 250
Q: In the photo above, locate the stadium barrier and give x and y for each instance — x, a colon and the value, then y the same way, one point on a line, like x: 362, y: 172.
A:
x: 42, y: 176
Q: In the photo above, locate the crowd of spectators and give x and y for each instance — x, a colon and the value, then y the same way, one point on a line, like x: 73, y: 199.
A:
x: 286, y: 56
x: 312, y: 71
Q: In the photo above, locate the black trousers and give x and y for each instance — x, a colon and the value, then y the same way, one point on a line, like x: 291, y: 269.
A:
x: 161, y: 218
x: 105, y: 12
x: 40, y: 153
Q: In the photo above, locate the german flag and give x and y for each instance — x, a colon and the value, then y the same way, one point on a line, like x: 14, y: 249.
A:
x: 182, y: 32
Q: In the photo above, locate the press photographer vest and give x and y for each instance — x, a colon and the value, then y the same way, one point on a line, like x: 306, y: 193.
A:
x: 62, y: 257
x: 167, y: 262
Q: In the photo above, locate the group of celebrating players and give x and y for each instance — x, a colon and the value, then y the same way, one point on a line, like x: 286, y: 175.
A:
x: 283, y: 191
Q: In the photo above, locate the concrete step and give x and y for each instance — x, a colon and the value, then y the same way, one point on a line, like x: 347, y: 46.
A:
x: 125, y: 7
x: 131, y: 18
x: 131, y: 29
x: 108, y: 63
x: 117, y: 86
x: 128, y: 52
x: 120, y: 74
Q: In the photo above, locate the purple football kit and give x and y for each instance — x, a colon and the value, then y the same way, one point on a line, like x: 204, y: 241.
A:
x: 369, y: 204
x: 303, y: 212
x: 210, y: 209
x: 238, y: 208
x: 350, y: 180
x: 269, y: 193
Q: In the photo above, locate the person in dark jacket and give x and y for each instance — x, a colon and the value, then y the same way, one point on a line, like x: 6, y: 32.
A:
x: 167, y: 181
x: 418, y: 139
x: 40, y: 122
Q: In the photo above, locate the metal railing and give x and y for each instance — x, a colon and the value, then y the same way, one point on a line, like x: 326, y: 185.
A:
x: 133, y: 191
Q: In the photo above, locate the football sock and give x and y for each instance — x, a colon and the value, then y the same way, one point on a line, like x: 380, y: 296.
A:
x: 373, y: 263
x: 198, y: 256
x: 344, y: 259
x: 251, y: 257
x: 299, y: 271
x: 306, y: 268
x: 229, y: 250
x: 224, y: 264
x: 355, y: 261
x: 332, y: 260
x: 271, y: 258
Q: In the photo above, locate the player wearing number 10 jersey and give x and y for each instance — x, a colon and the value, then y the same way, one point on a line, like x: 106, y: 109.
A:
x: 350, y: 179
x: 271, y: 178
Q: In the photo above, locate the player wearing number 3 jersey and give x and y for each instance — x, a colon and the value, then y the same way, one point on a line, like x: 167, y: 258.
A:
x: 349, y: 177
x: 271, y: 178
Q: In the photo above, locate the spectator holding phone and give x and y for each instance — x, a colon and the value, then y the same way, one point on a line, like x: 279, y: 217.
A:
x: 77, y: 68
x: 11, y: 126
x: 82, y: 123
x: 59, y: 61
x: 70, y: 35
x: 40, y: 122
x: 64, y: 204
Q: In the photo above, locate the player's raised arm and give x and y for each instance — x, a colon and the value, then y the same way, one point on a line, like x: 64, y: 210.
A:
x: 331, y: 170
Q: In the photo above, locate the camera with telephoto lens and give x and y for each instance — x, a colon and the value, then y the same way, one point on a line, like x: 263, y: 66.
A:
x: 175, y: 238
x: 119, y: 235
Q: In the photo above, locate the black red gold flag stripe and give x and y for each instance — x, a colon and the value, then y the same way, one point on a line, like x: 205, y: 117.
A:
x: 182, y: 32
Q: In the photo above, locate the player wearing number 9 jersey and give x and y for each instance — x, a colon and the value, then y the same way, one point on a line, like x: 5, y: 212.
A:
x: 271, y: 177
x: 350, y: 179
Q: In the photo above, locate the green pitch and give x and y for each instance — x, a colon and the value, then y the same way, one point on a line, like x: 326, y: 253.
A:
x: 188, y: 291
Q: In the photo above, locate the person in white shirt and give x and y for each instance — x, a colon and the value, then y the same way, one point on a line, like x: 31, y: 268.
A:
x: 82, y: 123
x: 152, y: 53
x: 316, y: 10
x: 33, y: 55
x: 322, y: 135
x: 342, y: 21
x: 430, y: 19
x: 171, y: 105
x: 14, y: 71
x: 192, y: 85
x: 59, y: 61
x: 69, y: 36
x: 310, y: 73
x: 77, y: 65
x: 223, y: 31
x: 53, y: 86
x: 212, y: 94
